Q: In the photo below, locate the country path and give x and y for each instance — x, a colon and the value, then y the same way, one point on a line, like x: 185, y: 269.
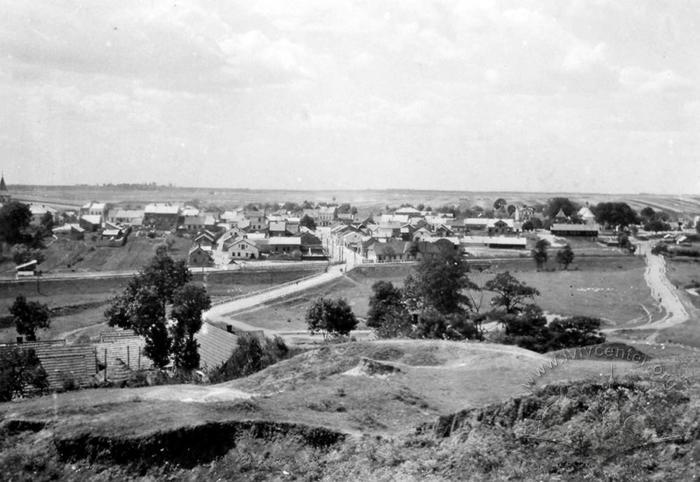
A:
x: 222, y: 313
x: 663, y: 292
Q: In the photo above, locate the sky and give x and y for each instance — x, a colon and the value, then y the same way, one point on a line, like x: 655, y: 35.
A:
x: 558, y: 95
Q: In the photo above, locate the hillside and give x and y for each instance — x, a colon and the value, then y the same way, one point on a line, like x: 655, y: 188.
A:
x: 405, y: 408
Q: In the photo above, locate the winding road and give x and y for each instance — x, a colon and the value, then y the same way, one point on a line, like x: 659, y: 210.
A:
x: 221, y: 314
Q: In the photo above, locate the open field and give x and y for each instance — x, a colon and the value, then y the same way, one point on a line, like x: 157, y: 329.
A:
x: 610, y: 288
x: 65, y: 255
x: 684, y: 273
x: 84, y: 300
x: 367, y: 200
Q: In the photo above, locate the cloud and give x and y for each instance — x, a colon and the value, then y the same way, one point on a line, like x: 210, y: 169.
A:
x: 582, y: 57
x: 647, y: 81
x: 256, y: 58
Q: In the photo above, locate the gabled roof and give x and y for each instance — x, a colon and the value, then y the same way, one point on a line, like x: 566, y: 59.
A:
x: 26, y: 265
x: 157, y: 208
x: 586, y: 213
x: 198, y: 248
x: 284, y: 241
x: 407, y: 210
x: 560, y: 214
x: 92, y: 218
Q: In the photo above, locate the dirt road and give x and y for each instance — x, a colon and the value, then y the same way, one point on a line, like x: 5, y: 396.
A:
x: 222, y: 313
x: 662, y: 290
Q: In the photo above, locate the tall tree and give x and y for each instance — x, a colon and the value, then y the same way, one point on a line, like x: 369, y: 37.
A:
x: 308, y: 222
x: 166, y: 276
x: 387, y: 313
x: 565, y: 256
x: 189, y: 302
x: 141, y: 309
x: 539, y: 254
x: 614, y: 214
x: 330, y: 317
x: 555, y: 204
x: 439, y: 282
x: 499, y: 203
x: 511, y: 293
x: 14, y: 220
x: 29, y: 316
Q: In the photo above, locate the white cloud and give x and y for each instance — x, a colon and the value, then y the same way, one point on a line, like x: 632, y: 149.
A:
x: 647, y: 81
x: 582, y: 58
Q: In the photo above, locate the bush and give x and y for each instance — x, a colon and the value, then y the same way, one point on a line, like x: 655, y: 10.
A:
x: 20, y: 369
x: 251, y: 355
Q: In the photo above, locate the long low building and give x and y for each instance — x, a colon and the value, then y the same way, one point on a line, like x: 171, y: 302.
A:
x: 574, y: 229
x: 496, y: 242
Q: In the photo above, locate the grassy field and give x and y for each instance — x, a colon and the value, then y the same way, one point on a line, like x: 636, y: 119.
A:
x: 81, y: 302
x: 66, y: 255
x: 685, y: 274
x: 610, y: 288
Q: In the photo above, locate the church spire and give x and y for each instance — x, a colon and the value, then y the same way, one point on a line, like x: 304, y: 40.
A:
x: 3, y: 186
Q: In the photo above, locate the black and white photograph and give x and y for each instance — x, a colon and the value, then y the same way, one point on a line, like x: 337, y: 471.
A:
x: 350, y: 240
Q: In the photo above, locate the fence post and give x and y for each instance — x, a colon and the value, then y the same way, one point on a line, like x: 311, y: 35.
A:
x: 128, y: 360
x: 105, y: 364
x: 139, y: 358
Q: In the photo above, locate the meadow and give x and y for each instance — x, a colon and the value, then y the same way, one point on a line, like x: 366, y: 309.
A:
x: 611, y: 288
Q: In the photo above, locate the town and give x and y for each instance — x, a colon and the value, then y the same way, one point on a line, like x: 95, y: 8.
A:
x: 340, y: 241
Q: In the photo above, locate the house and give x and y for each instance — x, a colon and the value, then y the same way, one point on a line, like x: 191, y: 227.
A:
x: 387, y: 231
x: 311, y: 247
x: 71, y: 230
x: 277, y: 228
x: 286, y: 245
x: 408, y: 211
x: 62, y: 362
x: 164, y: 217
x: 94, y: 208
x: 243, y: 249
x: 391, y: 251
x: 206, y: 239
x: 90, y: 222
x: 586, y: 215
x: 574, y: 229
x: 199, y: 257
x: 457, y: 227
x: 292, y: 226
x: 40, y: 210
x: 215, y: 345
x: 256, y: 220
x: 326, y: 215
x: 442, y: 230
x: 500, y: 226
x: 26, y: 269
x: 193, y: 223
x: 477, y: 224
x: 129, y: 217
x: 190, y: 211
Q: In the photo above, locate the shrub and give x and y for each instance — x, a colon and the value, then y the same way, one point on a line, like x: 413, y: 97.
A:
x: 252, y: 354
x: 20, y: 369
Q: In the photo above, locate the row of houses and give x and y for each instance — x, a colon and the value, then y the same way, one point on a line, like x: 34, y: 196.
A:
x: 222, y: 248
